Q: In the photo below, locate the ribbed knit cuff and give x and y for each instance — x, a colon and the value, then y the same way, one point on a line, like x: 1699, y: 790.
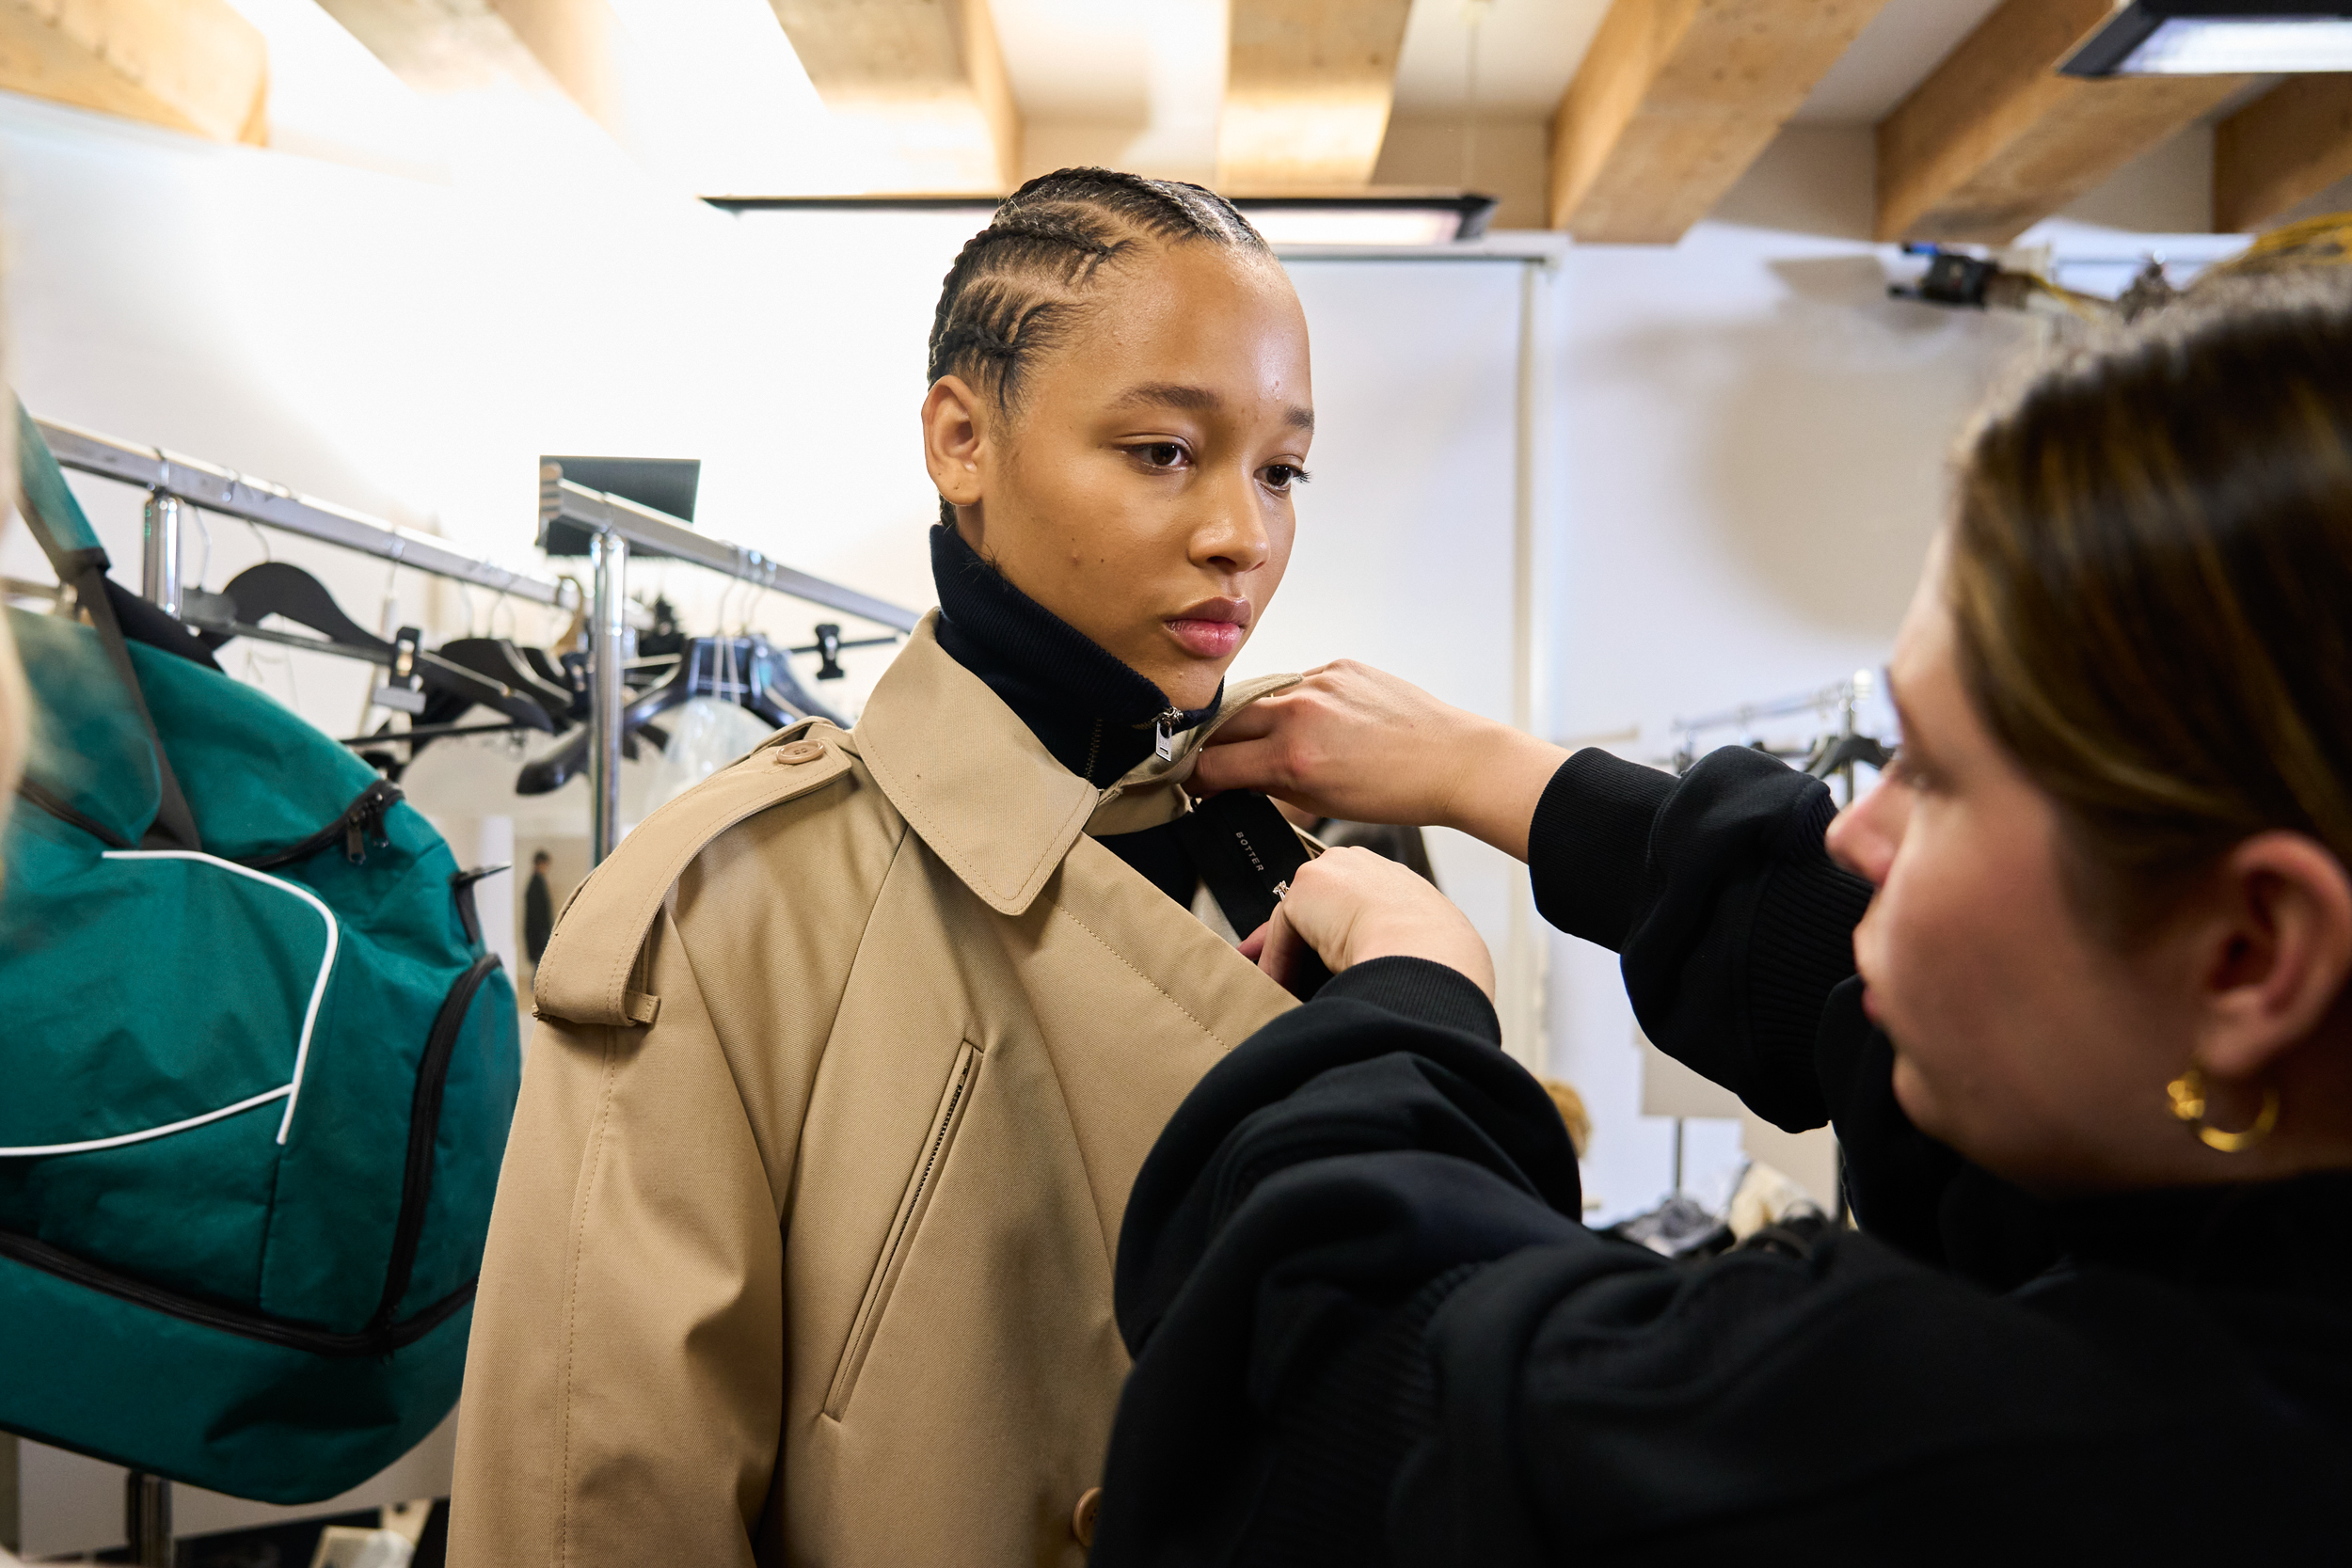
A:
x: 1421, y: 988
x: 1801, y: 943
x: 1588, y: 848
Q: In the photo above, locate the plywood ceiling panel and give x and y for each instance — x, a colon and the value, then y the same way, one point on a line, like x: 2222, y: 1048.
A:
x: 187, y: 65
x: 1996, y: 139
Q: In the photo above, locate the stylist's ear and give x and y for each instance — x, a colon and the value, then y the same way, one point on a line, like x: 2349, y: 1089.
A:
x: 2274, y: 956
x: 955, y: 433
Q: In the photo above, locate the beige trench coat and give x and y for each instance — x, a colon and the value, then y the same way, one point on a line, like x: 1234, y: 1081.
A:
x: 846, y: 1062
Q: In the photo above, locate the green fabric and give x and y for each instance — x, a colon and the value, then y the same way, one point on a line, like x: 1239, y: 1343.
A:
x: 144, y: 989
x: 87, y: 744
x: 55, y: 517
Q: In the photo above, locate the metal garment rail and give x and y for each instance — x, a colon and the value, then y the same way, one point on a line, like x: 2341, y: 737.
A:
x: 614, y: 524
x: 174, y: 482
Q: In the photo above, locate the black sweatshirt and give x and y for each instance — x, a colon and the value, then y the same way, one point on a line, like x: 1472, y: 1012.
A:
x: 1369, y: 1327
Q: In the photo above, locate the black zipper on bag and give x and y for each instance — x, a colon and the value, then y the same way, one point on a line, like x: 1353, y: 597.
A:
x: 424, y: 1126
x: 233, y: 1319
x: 361, y: 820
x: 56, y: 807
x: 383, y: 1334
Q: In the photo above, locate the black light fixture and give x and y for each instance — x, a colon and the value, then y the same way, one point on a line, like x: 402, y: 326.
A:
x: 1379, y: 217
x: 2218, y: 38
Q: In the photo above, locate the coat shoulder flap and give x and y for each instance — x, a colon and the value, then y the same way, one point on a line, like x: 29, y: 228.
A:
x: 588, y: 972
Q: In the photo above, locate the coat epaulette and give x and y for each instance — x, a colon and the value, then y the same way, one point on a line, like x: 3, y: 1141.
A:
x: 585, y: 974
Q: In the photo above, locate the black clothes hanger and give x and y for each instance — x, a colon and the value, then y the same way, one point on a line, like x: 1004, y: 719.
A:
x: 1844, y: 751
x: 277, y: 588
x: 503, y: 662
x: 759, y: 676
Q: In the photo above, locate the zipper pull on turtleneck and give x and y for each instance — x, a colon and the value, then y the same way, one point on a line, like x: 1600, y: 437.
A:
x: 1164, y: 733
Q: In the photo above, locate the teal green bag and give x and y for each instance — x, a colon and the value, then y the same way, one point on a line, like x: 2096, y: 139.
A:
x: 256, y: 1085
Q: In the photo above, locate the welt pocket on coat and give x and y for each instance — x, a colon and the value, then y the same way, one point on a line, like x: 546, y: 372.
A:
x: 922, y: 1184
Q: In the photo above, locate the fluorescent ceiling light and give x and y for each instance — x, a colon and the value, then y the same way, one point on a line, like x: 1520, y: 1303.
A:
x: 1356, y: 226
x: 1377, y: 218
x: 2182, y: 47
x: 2218, y: 38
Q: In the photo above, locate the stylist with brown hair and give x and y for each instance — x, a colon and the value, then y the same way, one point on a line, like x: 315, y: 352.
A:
x: 2070, y: 984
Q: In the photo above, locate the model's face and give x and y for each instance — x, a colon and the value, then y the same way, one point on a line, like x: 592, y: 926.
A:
x: 2022, y: 1037
x: 1141, y: 487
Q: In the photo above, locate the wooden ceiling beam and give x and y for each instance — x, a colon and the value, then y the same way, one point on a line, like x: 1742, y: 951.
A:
x: 920, y: 82
x: 1309, y: 85
x: 2286, y: 147
x: 1996, y: 140
x: 1676, y: 98
x: 555, y: 48
x: 188, y: 65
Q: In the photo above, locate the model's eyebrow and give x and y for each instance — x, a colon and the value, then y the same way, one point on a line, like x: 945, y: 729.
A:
x: 1197, y: 400
x: 1170, y: 394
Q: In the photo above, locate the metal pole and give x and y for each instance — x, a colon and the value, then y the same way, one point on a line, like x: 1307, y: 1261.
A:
x: 159, y: 560
x: 147, y: 1518
x: 608, y: 627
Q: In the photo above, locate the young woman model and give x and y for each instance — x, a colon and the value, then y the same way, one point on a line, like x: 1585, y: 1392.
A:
x: 847, y: 1057
x: 2093, y: 1077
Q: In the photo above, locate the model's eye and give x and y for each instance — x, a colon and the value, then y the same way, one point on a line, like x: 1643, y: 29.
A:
x: 1160, y: 454
x: 1281, y: 476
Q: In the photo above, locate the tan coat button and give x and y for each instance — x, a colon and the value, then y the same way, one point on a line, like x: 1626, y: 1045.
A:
x: 800, y: 751
x: 1082, y: 1517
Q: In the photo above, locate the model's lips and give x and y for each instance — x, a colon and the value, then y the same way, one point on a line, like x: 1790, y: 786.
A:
x: 1213, y: 629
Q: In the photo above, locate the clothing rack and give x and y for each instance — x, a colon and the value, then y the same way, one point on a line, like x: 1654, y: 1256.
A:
x: 1844, y: 700
x: 173, y: 483
x: 616, y: 524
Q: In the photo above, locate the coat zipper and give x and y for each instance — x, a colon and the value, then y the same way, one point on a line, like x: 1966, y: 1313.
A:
x: 424, y: 1126
x: 920, y: 1190
x: 1164, y: 733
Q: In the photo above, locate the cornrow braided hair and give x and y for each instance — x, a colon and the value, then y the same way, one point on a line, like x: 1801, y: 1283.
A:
x: 1017, y: 283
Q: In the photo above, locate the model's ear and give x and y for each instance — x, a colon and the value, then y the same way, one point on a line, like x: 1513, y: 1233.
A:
x: 2274, y: 954
x: 955, y: 435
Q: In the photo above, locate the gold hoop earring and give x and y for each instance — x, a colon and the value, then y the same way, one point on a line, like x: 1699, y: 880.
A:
x: 2187, y: 1092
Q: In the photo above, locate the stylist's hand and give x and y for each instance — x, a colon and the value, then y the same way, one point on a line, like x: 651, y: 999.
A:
x: 1359, y: 744
x: 1352, y: 906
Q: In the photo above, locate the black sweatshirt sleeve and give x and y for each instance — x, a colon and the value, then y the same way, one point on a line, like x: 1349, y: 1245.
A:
x: 1368, y: 1328
x: 1733, y: 922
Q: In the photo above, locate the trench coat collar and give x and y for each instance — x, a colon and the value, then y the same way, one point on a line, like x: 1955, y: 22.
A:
x: 979, y: 788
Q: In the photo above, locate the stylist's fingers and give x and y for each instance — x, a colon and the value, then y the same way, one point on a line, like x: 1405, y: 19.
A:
x: 1278, y: 947
x: 1349, y: 741
x: 1352, y: 906
x: 1248, y: 724
x: 1242, y: 763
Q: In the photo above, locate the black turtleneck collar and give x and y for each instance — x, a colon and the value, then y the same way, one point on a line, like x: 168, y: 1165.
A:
x: 1093, y: 713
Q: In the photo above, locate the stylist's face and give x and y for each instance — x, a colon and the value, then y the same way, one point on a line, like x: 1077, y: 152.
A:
x: 2020, y: 1037
x: 1140, y: 488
